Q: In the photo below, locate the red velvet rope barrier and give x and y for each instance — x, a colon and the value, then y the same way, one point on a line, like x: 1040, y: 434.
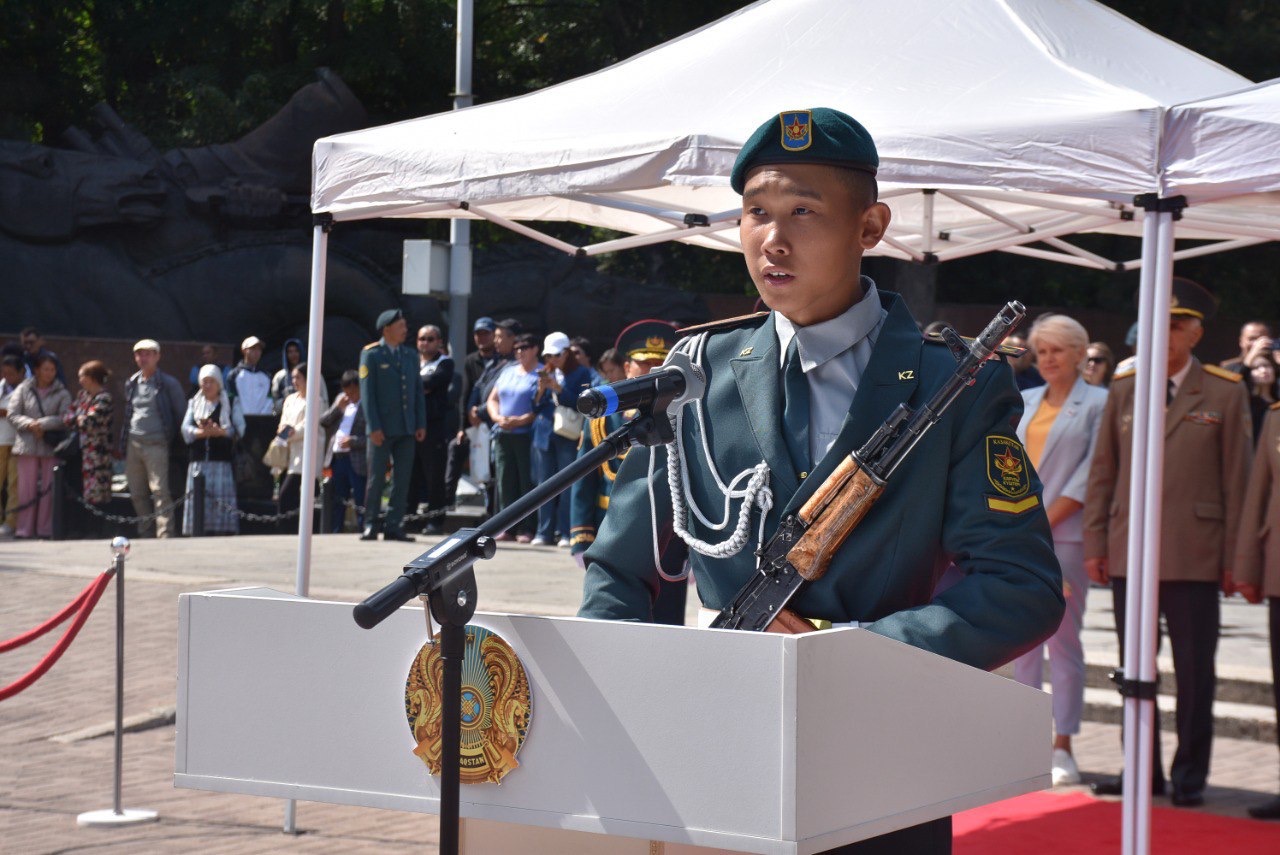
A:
x: 87, y: 600
x: 31, y: 635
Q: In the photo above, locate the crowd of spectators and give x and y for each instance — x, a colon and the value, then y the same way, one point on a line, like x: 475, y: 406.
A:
x: 504, y: 418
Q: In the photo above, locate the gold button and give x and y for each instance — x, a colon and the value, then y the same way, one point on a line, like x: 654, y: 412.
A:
x: 804, y: 475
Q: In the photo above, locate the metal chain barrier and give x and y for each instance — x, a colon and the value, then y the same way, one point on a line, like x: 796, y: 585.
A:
x: 32, y: 503
x: 116, y: 518
x: 256, y: 518
x: 438, y: 513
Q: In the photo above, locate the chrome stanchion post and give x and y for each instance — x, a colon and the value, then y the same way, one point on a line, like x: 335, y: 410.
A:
x: 118, y: 815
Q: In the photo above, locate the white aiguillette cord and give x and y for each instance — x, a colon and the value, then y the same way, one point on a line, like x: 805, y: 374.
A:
x: 757, y: 492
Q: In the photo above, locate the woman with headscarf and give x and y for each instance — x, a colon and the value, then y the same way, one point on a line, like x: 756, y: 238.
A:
x: 211, y: 426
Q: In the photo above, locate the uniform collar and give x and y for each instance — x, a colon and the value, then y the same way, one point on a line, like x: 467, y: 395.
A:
x: 823, y: 341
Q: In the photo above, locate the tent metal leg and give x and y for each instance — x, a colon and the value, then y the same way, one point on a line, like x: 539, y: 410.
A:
x: 1145, y: 496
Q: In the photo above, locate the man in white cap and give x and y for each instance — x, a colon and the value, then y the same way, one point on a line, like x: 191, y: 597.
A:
x: 153, y: 410
x: 248, y: 383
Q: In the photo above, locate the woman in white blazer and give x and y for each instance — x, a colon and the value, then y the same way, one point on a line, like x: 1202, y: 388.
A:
x: 1059, y: 428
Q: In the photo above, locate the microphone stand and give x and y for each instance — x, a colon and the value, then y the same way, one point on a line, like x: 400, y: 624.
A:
x: 445, y: 577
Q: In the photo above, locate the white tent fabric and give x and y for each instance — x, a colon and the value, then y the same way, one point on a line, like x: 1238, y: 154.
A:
x: 1061, y: 98
x: 1225, y: 146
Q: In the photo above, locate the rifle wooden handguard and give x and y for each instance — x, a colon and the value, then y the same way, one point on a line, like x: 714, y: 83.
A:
x: 832, y: 513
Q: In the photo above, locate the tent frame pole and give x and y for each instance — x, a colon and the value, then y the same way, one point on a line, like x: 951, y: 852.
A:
x: 310, y: 436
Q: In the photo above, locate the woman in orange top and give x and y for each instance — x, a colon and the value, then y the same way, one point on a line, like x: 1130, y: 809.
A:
x: 1059, y: 427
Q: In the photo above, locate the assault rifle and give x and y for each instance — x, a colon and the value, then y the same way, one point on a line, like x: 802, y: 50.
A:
x: 804, y: 544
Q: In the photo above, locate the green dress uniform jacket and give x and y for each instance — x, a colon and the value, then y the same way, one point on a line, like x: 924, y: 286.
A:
x: 390, y: 390
x: 588, y: 502
x: 392, y: 402
x: 965, y: 494
x: 589, y: 496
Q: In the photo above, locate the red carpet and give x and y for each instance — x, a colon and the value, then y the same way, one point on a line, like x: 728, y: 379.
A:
x: 1074, y: 822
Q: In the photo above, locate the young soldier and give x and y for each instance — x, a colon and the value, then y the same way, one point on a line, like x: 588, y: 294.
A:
x: 851, y: 355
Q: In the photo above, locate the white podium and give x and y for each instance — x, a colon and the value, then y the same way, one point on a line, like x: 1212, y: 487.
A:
x: 643, y: 738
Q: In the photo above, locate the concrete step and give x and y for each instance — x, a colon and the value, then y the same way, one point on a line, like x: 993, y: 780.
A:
x: 1230, y: 720
x: 1243, y: 706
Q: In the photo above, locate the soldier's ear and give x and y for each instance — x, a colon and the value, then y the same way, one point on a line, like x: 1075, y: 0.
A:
x: 874, y: 223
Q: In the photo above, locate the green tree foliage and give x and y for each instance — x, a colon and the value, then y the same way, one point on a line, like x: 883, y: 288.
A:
x: 194, y: 72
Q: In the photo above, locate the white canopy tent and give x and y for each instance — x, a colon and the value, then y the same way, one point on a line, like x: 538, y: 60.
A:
x: 1001, y: 126
x: 1031, y: 120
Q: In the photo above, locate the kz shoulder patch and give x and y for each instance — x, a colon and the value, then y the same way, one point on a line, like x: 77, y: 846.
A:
x: 1007, y: 468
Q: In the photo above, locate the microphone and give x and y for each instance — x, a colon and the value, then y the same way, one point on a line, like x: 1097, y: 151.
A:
x: 670, y: 387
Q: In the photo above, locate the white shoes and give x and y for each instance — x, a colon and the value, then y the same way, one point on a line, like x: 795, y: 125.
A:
x: 1064, y: 768
x: 6, y: 533
x: 564, y: 541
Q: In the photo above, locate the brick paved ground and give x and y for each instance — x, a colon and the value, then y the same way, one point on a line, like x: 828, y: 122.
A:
x: 45, y: 784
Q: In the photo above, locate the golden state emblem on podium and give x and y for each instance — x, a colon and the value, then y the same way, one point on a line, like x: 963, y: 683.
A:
x: 496, y: 706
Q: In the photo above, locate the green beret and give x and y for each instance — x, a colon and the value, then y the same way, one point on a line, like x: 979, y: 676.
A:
x: 389, y: 317
x: 820, y: 135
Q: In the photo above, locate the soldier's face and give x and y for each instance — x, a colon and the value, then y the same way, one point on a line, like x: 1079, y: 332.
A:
x: 641, y: 367
x: 1184, y: 335
x: 803, y: 235
x: 395, y: 332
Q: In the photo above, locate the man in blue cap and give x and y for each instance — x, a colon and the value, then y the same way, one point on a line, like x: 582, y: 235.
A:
x: 799, y: 388
x: 395, y: 417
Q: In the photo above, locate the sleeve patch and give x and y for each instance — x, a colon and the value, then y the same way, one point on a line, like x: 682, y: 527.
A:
x: 1007, y: 468
x: 364, y: 370
x: 1005, y: 506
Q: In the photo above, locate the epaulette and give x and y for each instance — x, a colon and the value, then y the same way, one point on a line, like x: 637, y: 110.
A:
x: 1004, y: 349
x: 1120, y: 375
x: 1223, y: 373
x: 726, y: 324
x: 1275, y: 406
x: 371, y: 345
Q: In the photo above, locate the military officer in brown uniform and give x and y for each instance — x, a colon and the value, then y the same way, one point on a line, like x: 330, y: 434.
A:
x: 1257, y: 565
x: 1207, y: 446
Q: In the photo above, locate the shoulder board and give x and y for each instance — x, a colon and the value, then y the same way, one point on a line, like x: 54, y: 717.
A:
x: 1275, y: 406
x: 371, y: 345
x: 726, y: 324
x: 1121, y: 375
x: 1223, y: 373
x: 1004, y: 349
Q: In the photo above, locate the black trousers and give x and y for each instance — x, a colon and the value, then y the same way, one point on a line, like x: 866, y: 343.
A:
x: 1192, y: 614
x: 428, y: 478
x: 459, y: 455
x: 1273, y: 604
